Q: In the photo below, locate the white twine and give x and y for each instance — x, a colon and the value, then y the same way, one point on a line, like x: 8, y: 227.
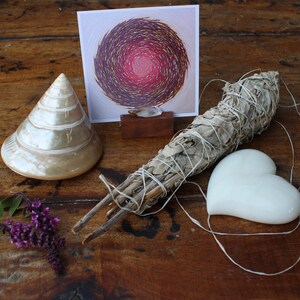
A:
x: 295, y: 104
x: 215, y: 233
x: 223, y: 249
x: 205, y: 153
x: 244, y: 268
x: 198, y: 223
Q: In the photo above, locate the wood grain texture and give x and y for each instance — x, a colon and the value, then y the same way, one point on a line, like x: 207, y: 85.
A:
x: 135, y: 127
x: 164, y: 256
x: 57, y: 19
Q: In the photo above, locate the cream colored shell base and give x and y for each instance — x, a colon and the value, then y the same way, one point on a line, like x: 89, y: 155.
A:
x: 56, y: 141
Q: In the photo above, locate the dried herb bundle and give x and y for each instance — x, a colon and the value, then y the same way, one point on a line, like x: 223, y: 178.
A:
x: 246, y: 108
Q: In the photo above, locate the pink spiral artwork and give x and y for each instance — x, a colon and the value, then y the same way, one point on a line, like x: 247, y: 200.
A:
x: 141, y: 63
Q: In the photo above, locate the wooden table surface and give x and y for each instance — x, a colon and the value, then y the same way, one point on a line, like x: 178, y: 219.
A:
x: 164, y: 256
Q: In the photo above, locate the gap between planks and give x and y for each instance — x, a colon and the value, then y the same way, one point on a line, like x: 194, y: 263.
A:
x: 203, y: 32
x: 93, y: 201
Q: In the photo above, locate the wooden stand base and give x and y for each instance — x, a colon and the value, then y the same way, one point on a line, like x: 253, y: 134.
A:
x: 134, y: 127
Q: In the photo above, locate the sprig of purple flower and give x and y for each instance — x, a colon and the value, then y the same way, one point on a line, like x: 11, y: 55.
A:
x: 40, y: 232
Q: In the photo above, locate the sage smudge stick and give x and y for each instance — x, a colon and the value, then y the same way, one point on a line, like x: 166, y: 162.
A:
x: 247, y: 108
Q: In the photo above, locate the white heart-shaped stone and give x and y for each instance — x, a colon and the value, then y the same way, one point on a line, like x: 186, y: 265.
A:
x: 244, y: 184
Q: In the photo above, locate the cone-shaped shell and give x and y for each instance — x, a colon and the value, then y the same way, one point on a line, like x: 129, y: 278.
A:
x: 56, y: 140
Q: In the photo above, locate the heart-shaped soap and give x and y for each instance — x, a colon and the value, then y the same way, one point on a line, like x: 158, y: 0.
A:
x: 244, y: 184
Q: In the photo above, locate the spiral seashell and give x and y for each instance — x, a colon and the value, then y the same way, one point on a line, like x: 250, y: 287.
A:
x: 56, y: 140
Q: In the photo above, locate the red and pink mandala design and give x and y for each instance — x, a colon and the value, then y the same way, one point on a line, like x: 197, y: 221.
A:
x: 141, y: 63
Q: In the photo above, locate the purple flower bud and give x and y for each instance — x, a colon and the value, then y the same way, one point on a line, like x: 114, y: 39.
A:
x: 36, y: 204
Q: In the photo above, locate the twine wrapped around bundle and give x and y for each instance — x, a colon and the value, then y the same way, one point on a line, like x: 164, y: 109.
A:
x: 246, y: 108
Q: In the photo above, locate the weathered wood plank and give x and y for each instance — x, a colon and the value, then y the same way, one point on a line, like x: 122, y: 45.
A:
x: 36, y: 19
x: 139, y: 257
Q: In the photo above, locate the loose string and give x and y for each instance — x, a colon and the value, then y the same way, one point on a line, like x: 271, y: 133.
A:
x: 221, y: 246
x: 244, y: 268
x: 196, y: 222
x: 292, y: 148
x: 295, y: 104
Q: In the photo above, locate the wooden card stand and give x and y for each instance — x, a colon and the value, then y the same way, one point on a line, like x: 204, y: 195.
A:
x: 135, y: 127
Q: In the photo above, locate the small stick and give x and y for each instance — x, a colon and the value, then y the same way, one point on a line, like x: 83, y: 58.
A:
x: 116, y: 208
x: 82, y: 222
x: 106, y: 226
x: 108, y: 199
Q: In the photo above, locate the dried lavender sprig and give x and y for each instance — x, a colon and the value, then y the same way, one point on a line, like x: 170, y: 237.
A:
x: 40, y: 232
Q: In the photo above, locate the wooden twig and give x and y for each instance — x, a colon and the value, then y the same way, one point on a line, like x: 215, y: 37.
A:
x: 106, y: 226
